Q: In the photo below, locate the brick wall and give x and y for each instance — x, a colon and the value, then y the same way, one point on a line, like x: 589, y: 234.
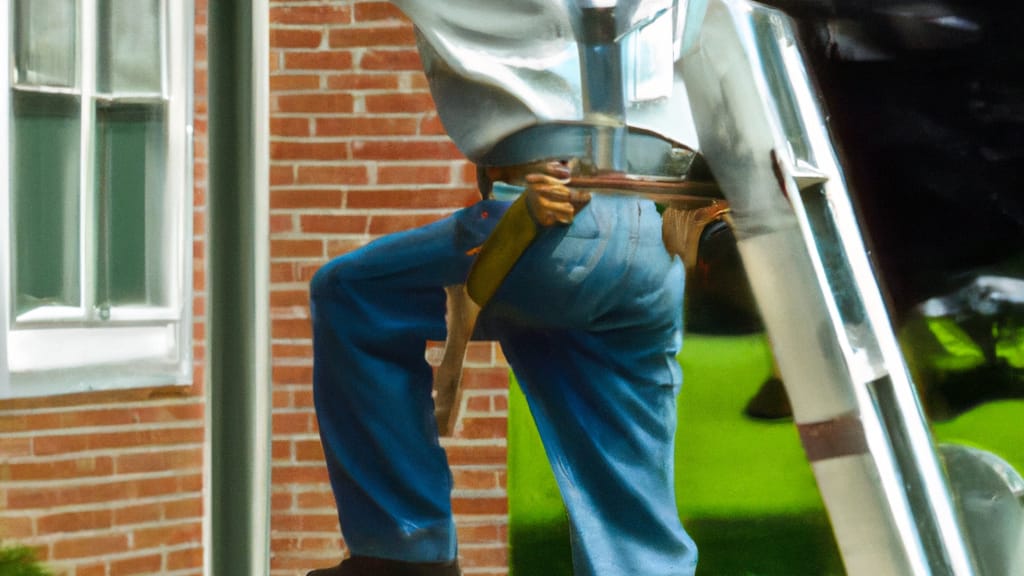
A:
x: 357, y: 151
x: 110, y: 484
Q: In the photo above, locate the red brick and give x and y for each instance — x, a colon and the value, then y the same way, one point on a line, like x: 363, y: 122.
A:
x: 292, y: 374
x: 344, y: 175
x: 62, y: 469
x: 304, y: 523
x: 149, y: 564
x: 339, y: 246
x: 18, y: 423
x: 281, y: 223
x: 299, y: 474
x: 476, y: 505
x: 90, y: 546
x: 314, y: 103
x: 475, y: 479
x: 281, y: 399
x: 15, y: 447
x: 288, y: 82
x: 300, y: 150
x: 377, y: 11
x: 479, y: 427
x: 480, y: 353
x: 285, y: 423
x: 331, y: 224
x: 293, y: 127
x: 306, y: 270
x: 295, y: 248
x: 486, y: 378
x: 479, y: 533
x: 303, y: 398
x: 16, y: 527
x: 291, y: 329
x: 172, y: 535
x: 500, y: 403
x: 476, y: 455
x: 295, y: 37
x: 388, y: 223
x: 391, y: 36
x: 418, y: 81
x: 412, y: 198
x: 315, y: 500
x: 309, y: 450
x: 160, y: 461
x: 419, y: 174
x: 308, y: 198
x: 403, y: 103
x: 281, y: 450
x: 289, y: 298
x: 280, y: 351
x: 28, y: 498
x: 282, y: 272
x: 96, y: 569
x: 483, y: 556
x: 320, y: 60
x: 380, y: 80
x: 281, y: 501
x: 191, y: 508
x: 64, y: 444
x: 478, y: 403
x: 430, y: 125
x: 184, y: 559
x: 282, y: 174
x: 138, y: 514
x: 75, y: 521
x: 393, y: 59
x: 302, y: 544
x: 314, y: 14
x: 468, y: 170
x: 406, y: 150
x: 365, y: 126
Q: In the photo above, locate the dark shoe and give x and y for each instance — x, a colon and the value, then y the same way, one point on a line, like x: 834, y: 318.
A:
x: 366, y: 566
x: 770, y: 402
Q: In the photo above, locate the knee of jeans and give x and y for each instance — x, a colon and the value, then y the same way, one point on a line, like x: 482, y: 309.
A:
x: 331, y: 279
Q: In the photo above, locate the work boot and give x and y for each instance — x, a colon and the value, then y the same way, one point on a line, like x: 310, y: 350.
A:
x: 770, y: 402
x: 367, y: 566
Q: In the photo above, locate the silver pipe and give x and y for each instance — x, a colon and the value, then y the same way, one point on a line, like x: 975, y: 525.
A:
x: 238, y: 385
x: 603, y: 86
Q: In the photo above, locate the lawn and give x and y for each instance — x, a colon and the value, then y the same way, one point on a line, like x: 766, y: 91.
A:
x: 746, y: 493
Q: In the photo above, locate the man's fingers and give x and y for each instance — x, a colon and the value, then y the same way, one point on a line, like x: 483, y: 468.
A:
x: 557, y: 212
x: 551, y: 201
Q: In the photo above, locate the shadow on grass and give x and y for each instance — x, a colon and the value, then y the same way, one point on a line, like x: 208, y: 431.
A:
x: 797, y: 545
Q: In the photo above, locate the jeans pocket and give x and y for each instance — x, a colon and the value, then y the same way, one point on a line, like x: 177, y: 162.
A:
x: 584, y: 224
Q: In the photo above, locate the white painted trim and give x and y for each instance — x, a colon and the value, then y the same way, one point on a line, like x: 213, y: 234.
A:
x: 262, y: 399
x: 5, y: 194
x: 78, y: 355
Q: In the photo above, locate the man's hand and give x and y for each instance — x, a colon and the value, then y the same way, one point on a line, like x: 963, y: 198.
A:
x: 549, y: 198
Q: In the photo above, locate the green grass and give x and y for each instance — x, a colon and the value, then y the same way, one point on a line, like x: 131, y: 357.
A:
x: 746, y: 493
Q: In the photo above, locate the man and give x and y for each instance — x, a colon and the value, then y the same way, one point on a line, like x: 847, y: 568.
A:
x: 589, y: 316
x: 590, y: 321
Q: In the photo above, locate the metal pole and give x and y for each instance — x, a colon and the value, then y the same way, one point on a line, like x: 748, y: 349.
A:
x: 238, y: 346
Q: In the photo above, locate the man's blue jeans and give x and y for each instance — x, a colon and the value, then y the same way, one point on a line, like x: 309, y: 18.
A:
x: 590, y: 321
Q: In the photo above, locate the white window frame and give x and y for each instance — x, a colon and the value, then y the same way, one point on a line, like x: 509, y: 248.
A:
x: 45, y: 356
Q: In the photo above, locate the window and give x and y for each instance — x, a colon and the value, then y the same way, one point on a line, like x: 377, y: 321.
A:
x: 95, y: 195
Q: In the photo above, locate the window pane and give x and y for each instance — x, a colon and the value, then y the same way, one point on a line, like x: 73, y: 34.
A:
x: 45, y: 42
x: 44, y: 199
x: 130, y: 39
x: 130, y: 185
